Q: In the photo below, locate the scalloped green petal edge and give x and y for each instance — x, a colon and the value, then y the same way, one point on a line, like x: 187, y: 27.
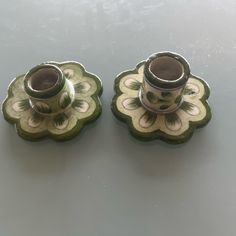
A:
x: 69, y: 134
x: 158, y: 134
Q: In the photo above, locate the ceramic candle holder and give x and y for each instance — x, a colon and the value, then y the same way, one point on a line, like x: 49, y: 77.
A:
x: 161, y: 99
x: 49, y: 91
x: 165, y: 77
x: 53, y: 99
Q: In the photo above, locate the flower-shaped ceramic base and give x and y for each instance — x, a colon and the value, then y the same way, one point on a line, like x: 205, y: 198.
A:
x: 175, y: 127
x: 62, y: 125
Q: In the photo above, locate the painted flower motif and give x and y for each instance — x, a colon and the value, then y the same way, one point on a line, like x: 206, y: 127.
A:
x: 33, y: 125
x: 175, y: 127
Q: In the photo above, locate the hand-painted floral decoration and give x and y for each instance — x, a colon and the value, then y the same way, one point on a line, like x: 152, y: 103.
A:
x: 161, y: 99
x: 53, y: 100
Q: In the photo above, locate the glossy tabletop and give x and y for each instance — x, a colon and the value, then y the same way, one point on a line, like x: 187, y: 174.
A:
x: 104, y: 182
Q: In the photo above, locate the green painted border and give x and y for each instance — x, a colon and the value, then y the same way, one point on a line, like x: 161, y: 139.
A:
x: 159, y: 134
x: 80, y: 123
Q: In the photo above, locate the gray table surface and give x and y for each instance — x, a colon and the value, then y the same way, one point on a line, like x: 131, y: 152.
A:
x: 104, y: 182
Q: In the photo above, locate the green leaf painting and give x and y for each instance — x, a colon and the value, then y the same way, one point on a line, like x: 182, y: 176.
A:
x: 188, y: 91
x: 65, y: 100
x: 61, y: 121
x: 131, y: 103
x: 147, y: 119
x: 43, y: 107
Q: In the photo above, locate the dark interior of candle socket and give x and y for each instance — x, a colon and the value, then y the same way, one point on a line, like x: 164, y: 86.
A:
x: 44, y: 79
x: 166, y: 68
